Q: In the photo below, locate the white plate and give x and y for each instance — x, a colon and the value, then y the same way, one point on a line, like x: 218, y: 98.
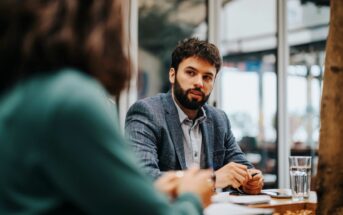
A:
x: 249, y: 199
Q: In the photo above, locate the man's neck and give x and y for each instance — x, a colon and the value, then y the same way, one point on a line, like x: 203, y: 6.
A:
x: 191, y: 114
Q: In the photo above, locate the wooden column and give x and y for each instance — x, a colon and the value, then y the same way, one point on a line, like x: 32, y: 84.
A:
x: 330, y: 168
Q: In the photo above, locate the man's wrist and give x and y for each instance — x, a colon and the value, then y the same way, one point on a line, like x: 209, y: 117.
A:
x: 219, y: 183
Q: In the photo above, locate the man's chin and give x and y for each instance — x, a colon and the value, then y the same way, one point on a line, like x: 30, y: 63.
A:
x: 194, y: 105
x: 195, y: 98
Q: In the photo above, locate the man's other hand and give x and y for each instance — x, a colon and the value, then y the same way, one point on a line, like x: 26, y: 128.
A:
x: 255, y: 184
x: 232, y: 174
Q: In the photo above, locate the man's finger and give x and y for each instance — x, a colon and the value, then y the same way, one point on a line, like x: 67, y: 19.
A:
x: 240, y: 179
x: 254, y: 184
x: 251, y: 186
x: 242, y: 172
x: 238, y: 165
x: 257, y: 191
x: 257, y: 177
x: 235, y: 183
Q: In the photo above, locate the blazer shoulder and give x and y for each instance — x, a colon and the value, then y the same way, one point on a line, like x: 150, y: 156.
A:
x: 151, y: 103
x: 217, y: 116
x: 152, y: 107
x: 214, y: 112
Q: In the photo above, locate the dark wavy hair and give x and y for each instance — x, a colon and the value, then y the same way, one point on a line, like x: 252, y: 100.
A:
x: 42, y: 36
x: 193, y: 47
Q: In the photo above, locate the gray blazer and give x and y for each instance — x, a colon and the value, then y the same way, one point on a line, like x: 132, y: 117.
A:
x: 155, y: 132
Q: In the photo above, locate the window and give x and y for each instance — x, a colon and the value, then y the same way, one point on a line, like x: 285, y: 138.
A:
x: 249, y: 81
x: 307, y: 32
x: 161, y: 25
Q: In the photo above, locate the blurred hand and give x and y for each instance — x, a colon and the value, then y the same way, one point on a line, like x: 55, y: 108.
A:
x: 198, y: 182
x: 168, y: 184
x: 254, y: 184
x: 232, y: 174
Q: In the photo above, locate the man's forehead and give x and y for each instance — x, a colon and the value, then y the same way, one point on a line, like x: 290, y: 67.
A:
x: 198, y: 63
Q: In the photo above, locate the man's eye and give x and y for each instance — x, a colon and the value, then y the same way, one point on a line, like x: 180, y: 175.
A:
x: 207, y: 78
x: 190, y: 73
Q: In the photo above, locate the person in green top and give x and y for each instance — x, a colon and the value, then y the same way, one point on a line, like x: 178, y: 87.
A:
x: 61, y: 150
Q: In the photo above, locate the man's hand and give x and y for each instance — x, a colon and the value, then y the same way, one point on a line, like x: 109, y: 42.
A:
x: 198, y: 182
x: 232, y: 174
x: 254, y: 184
x: 194, y: 180
x: 168, y: 184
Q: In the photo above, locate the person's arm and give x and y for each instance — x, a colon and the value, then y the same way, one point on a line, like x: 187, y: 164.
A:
x: 234, y: 173
x: 238, y: 170
x: 89, y: 164
x: 144, y: 136
x: 233, y: 152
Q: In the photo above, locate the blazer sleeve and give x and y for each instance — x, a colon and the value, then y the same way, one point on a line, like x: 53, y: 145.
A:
x: 89, y: 162
x: 233, y: 152
x: 143, y: 133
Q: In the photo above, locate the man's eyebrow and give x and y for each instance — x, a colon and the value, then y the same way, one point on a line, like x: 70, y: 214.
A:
x: 191, y: 67
x: 209, y: 73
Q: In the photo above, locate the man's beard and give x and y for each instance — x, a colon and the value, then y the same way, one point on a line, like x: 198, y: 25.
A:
x: 182, y: 98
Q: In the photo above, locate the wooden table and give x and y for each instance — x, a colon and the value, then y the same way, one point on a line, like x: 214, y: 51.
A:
x: 286, y: 206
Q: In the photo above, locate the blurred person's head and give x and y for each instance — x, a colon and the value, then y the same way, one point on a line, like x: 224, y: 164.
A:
x: 44, y: 36
x: 194, y: 67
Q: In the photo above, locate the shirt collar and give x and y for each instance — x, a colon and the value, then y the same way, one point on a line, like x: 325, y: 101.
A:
x: 183, y: 117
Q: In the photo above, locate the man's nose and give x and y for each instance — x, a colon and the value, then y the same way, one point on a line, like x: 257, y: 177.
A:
x: 199, y: 82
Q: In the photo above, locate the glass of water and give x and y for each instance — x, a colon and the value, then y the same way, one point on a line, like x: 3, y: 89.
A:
x: 300, y: 175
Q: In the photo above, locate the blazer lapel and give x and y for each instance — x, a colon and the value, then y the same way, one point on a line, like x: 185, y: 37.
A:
x: 207, y: 135
x: 174, y: 127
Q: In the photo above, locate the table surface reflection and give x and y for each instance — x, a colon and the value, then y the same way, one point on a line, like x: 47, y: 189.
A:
x: 285, y: 205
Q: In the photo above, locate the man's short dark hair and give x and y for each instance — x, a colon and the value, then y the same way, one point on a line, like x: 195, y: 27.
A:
x: 193, y: 47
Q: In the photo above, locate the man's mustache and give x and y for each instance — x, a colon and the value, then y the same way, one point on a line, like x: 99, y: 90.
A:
x: 197, y: 89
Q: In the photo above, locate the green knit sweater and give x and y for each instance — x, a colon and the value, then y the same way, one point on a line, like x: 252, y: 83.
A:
x: 62, y: 152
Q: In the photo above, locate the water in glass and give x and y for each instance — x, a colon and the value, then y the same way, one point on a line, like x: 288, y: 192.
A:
x: 300, y: 182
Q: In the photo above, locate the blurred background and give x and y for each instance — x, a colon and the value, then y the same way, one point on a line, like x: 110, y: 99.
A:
x: 271, y: 80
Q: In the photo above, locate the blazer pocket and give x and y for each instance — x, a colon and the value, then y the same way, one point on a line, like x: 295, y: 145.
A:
x: 218, y: 159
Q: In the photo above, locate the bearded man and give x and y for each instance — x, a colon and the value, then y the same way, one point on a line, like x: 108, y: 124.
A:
x: 178, y: 130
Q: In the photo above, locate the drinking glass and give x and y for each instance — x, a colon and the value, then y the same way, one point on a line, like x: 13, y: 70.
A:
x: 300, y: 176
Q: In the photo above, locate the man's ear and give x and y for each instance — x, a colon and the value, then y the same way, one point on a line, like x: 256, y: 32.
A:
x: 172, y: 74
